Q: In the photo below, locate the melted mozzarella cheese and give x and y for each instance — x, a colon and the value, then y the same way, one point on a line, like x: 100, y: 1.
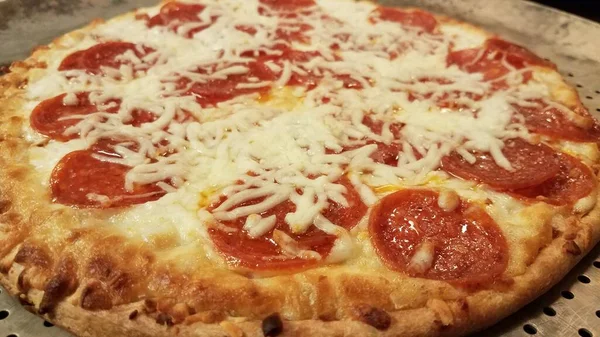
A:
x: 464, y: 37
x: 44, y: 159
x: 291, y: 248
x: 422, y: 259
x: 287, y: 145
x: 448, y: 200
x: 256, y: 226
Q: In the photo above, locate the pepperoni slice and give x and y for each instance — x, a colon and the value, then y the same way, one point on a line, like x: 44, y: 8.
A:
x: 288, y: 5
x: 532, y: 164
x: 346, y: 217
x: 176, y: 11
x: 574, y: 181
x: 293, y: 32
x: 51, y: 117
x: 102, y: 55
x: 219, y: 90
x: 386, y: 153
x: 412, y: 234
x: 449, y: 99
x: 376, y: 125
x: 246, y: 29
x: 491, y: 58
x: 181, y: 13
x: 413, y: 18
x: 263, y: 253
x: 517, y: 56
x: 550, y: 121
x: 106, y: 146
x: 310, y: 80
x: 139, y: 117
x: 81, y: 180
x: 305, y: 78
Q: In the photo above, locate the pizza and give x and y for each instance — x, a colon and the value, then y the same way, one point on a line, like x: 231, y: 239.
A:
x: 289, y: 168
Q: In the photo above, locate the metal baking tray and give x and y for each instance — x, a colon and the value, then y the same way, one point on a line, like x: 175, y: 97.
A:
x: 571, y: 308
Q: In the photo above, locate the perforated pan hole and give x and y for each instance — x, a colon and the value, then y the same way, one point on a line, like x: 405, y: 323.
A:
x: 16, y: 321
x: 572, y: 307
x: 549, y: 311
x: 590, y: 96
x: 530, y: 329
x: 574, y: 301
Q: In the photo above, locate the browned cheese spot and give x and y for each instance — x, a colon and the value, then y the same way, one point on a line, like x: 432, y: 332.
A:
x: 95, y: 297
x: 5, y: 206
x: 571, y: 247
x: 164, y: 319
x: 375, y: 317
x: 150, y: 305
x: 32, y: 255
x: 133, y: 315
x: 272, y: 325
x: 61, y: 285
x: 22, y: 283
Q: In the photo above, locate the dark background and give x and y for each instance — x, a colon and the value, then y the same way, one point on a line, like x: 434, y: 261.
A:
x: 587, y: 8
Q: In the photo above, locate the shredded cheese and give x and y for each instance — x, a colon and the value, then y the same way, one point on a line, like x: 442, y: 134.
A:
x: 253, y: 148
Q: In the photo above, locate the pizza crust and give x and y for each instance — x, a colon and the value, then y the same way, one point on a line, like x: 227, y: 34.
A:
x: 339, y: 302
x: 447, y: 318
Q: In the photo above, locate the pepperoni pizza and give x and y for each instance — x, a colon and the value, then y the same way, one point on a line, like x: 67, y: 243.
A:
x: 289, y: 168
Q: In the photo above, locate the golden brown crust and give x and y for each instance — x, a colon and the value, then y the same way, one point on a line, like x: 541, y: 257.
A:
x: 447, y: 318
x: 95, y: 282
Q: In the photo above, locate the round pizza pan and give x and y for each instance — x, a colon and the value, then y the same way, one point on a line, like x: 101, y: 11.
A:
x: 571, y: 308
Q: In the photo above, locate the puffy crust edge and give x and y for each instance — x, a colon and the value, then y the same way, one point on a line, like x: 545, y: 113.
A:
x: 437, y: 318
